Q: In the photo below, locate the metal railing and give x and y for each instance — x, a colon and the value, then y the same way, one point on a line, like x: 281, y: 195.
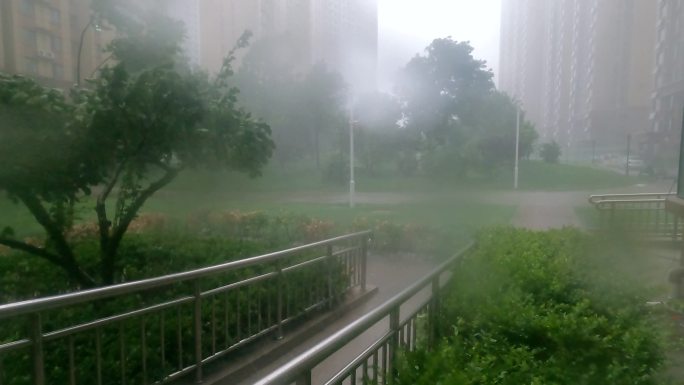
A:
x: 641, y: 214
x: 160, y: 329
x: 377, y: 363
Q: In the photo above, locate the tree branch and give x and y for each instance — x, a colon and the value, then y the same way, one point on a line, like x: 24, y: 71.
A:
x: 22, y: 246
x: 54, y: 232
x: 129, y: 214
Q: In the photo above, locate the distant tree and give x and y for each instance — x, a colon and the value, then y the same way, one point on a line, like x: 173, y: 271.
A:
x: 550, y: 152
x: 439, y: 88
x: 492, y: 132
x: 140, y: 123
x: 301, y: 104
x: 379, y: 138
x: 465, y: 124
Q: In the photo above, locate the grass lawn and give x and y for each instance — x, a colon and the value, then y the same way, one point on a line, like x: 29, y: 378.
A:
x: 441, y: 203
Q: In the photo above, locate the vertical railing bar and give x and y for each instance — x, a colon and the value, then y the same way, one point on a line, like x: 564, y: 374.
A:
x: 259, y: 320
x: 179, y: 337
x: 269, y: 304
x: 72, y: 361
x: 414, y: 336
x: 433, y: 313
x: 162, y: 342
x: 408, y: 333
x: 226, y: 319
x: 364, y: 376
x: 143, y: 340
x: 280, y: 289
x: 352, y: 376
x: 330, y: 266
x: 197, y: 322
x: 393, y: 343
x: 37, y: 349
x: 249, y: 311
x: 238, y: 315
x: 122, y: 353
x: 364, y: 261
x: 98, y: 354
x: 213, y: 325
x: 375, y: 367
x: 385, y: 348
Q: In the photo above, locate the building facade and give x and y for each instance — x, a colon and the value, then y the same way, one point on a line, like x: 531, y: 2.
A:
x: 668, y: 95
x: 343, y: 34
x: 582, y: 69
x: 47, y: 40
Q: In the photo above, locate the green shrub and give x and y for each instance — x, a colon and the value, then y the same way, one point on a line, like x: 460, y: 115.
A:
x: 550, y: 152
x: 532, y: 308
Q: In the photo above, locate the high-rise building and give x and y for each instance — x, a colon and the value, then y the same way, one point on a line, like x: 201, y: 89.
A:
x: 341, y: 33
x: 668, y: 96
x: 48, y: 39
x: 345, y: 37
x: 188, y: 12
x: 583, y: 69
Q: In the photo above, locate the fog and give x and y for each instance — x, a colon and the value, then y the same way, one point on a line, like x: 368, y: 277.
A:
x: 407, y: 27
x: 341, y: 191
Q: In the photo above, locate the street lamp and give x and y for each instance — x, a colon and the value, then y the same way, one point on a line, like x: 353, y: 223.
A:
x: 517, y: 147
x: 352, y: 183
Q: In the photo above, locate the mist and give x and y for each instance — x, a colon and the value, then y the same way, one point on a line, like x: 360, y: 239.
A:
x: 360, y: 191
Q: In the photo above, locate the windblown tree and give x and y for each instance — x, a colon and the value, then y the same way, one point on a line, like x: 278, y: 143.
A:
x: 140, y: 123
x: 450, y: 99
x: 380, y: 139
x: 302, y: 105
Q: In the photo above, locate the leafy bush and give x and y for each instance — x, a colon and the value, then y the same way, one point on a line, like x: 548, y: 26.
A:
x: 531, y: 308
x: 550, y: 152
x: 227, y: 317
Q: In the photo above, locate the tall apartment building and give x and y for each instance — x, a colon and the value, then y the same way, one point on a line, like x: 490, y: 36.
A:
x: 668, y: 95
x: 42, y: 39
x: 187, y: 11
x: 588, y: 76
x: 341, y: 33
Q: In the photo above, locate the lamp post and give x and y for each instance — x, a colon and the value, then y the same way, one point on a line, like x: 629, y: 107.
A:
x: 517, y: 148
x: 352, y: 183
x: 80, y: 50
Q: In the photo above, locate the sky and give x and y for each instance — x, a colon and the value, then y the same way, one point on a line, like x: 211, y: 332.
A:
x: 408, y: 26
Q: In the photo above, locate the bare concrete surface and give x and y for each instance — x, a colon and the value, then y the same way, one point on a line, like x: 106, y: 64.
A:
x: 391, y: 274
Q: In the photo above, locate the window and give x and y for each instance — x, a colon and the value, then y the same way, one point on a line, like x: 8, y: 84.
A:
x: 55, y: 44
x: 29, y: 37
x: 57, y: 72
x: 31, y: 66
x: 55, y: 16
x: 27, y: 7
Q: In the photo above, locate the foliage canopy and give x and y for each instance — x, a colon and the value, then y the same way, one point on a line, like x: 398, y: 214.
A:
x: 138, y: 124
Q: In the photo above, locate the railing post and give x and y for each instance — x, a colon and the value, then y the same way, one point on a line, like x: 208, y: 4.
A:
x: 37, y: 350
x: 433, y: 314
x: 675, y: 228
x: 280, y: 289
x: 393, y: 345
x: 364, y: 261
x: 304, y: 379
x: 330, y: 265
x: 197, y: 323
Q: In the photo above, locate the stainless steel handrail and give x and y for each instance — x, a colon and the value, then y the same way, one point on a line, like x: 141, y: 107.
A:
x: 47, y: 303
x: 593, y: 199
x: 299, y: 369
x: 345, y: 254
